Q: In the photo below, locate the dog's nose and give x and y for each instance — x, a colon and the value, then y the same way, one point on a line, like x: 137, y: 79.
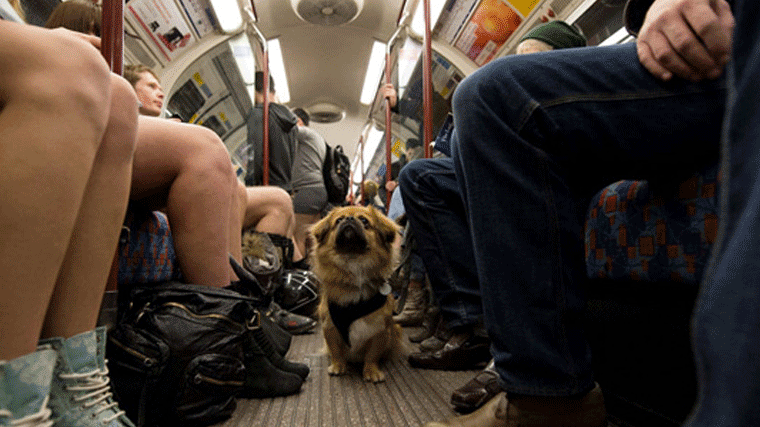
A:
x: 350, y: 236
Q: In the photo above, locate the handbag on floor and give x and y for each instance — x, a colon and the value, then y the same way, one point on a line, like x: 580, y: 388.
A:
x: 176, y: 356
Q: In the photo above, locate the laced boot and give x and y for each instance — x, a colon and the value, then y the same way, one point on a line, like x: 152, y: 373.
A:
x: 25, y: 389
x: 263, y: 378
x: 429, y: 323
x: 264, y: 342
x: 414, y: 307
x: 81, y: 395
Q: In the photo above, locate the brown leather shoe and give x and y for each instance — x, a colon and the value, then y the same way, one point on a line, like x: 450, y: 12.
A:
x: 463, y: 351
x: 477, y: 391
x: 530, y: 411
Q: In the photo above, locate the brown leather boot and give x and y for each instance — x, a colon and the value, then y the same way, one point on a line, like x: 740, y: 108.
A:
x: 534, y: 411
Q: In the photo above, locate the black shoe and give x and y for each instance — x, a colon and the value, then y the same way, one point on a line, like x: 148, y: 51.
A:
x: 463, y: 351
x: 263, y: 378
x: 280, y: 338
x: 265, y: 344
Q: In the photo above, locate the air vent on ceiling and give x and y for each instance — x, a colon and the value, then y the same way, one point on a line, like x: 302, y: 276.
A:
x: 327, y: 12
x: 326, y: 113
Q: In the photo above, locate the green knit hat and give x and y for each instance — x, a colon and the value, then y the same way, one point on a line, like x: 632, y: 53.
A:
x: 557, y: 34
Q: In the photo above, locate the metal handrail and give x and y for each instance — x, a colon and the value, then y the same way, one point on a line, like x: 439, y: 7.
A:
x: 388, y: 133
x: 265, y: 68
x: 427, y: 86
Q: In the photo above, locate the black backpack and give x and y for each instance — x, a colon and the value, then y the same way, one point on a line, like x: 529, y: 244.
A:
x: 335, y: 172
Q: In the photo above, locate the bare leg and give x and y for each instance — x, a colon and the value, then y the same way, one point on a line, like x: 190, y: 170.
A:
x: 189, y: 166
x: 82, y: 279
x: 53, y: 114
x: 303, y: 223
x: 270, y: 210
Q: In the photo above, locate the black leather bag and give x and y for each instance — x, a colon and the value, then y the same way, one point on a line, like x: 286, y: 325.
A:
x: 176, y: 356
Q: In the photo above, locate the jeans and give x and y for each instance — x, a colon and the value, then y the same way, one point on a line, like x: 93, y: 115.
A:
x: 538, y: 135
x: 436, y: 215
x: 726, y: 322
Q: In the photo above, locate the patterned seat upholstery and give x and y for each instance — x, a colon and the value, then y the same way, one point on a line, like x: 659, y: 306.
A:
x: 146, y: 250
x: 633, y: 234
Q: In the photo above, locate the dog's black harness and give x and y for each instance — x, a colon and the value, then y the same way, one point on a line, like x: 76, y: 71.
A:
x: 344, y: 315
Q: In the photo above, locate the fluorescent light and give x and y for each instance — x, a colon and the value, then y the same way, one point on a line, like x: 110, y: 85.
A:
x: 374, y: 139
x: 277, y: 71
x: 374, y: 71
x: 418, y: 22
x: 228, y: 14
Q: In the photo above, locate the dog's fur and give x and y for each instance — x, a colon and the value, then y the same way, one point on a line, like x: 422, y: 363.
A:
x: 353, y: 256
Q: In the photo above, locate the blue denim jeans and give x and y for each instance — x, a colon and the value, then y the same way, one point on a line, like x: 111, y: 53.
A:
x: 436, y: 215
x: 538, y: 135
x: 726, y: 322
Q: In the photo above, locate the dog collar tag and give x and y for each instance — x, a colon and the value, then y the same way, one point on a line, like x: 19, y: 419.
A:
x: 385, y: 289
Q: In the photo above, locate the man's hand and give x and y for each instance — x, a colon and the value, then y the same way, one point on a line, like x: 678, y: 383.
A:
x: 389, y: 92
x: 687, y: 38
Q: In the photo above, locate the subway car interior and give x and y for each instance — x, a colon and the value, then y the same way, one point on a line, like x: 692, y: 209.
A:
x: 334, y: 59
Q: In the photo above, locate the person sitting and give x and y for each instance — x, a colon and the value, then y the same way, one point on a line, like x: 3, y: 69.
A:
x: 437, y: 216
x: 529, y: 128
x: 68, y: 138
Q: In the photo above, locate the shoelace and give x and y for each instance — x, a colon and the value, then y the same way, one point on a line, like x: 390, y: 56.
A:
x: 97, y: 384
x: 38, y: 419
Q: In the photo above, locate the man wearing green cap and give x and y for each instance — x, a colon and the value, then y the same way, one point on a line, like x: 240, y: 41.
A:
x: 550, y: 36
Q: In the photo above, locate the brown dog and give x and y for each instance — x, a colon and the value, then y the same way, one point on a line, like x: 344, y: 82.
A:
x: 353, y: 257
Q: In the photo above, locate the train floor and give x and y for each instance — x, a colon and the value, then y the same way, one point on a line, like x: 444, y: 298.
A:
x: 409, y: 397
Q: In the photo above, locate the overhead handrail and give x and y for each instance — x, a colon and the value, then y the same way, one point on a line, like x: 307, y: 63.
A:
x: 112, y: 34
x: 265, y: 68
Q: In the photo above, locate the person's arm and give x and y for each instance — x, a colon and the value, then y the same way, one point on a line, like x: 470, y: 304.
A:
x: 686, y: 38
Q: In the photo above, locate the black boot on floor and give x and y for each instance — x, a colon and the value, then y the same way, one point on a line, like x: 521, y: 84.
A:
x: 263, y: 378
x: 267, y: 347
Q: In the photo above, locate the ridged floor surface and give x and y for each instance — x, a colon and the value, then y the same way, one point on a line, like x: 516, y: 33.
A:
x: 408, y: 397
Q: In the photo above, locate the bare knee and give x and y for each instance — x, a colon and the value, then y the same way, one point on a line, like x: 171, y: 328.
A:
x: 282, y: 203
x: 210, y: 159
x: 72, y: 83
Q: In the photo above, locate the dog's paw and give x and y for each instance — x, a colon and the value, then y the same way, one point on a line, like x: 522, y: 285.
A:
x: 337, y: 368
x: 373, y: 374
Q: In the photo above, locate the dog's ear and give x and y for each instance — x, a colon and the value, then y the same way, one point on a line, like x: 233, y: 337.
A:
x: 389, y: 229
x: 320, y: 230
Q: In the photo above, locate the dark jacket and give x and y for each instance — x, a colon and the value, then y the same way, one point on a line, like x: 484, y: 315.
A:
x: 282, y: 146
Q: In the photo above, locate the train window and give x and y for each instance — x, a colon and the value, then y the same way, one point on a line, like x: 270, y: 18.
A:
x: 603, y: 19
x: 407, y: 118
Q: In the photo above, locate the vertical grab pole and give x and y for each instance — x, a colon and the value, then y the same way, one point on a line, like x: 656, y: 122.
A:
x: 112, y: 41
x: 361, y: 164
x: 388, y: 133
x: 427, y: 87
x: 265, y: 119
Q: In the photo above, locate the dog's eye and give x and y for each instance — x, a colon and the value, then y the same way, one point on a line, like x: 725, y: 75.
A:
x: 364, y: 221
x: 340, y: 218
